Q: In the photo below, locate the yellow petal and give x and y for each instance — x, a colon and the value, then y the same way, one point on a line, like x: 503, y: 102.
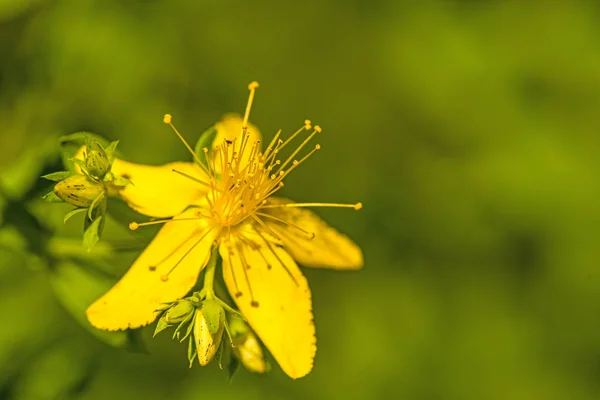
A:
x: 230, y: 128
x: 181, y: 246
x: 158, y: 191
x: 273, y: 295
x: 328, y: 248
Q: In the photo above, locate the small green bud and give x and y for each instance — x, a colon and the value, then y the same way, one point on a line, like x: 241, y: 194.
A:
x: 96, y: 160
x: 208, y: 330
x: 78, y: 190
x: 179, y: 312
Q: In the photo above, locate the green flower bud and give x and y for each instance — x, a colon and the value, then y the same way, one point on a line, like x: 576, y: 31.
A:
x: 78, y: 190
x: 96, y: 160
x: 179, y: 312
x: 208, y: 330
x: 247, y: 348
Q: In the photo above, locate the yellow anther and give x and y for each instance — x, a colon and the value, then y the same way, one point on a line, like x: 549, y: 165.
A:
x: 253, y: 85
x: 318, y: 128
x: 167, y: 118
x: 358, y: 206
x: 307, y: 124
x: 205, y: 150
x: 318, y: 147
x: 164, y: 278
x: 133, y: 226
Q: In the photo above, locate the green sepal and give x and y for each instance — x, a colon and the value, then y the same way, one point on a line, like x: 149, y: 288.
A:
x: 205, y: 141
x: 214, y: 315
x: 187, y: 320
x: 118, y: 180
x: 51, y: 197
x: 192, y: 351
x: 58, y: 176
x: 190, y: 327
x: 110, y: 151
x: 93, y: 206
x: 72, y: 213
x: 91, y: 235
x: 161, y: 325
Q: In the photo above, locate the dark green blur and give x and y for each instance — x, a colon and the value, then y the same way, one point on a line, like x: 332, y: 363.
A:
x: 470, y: 130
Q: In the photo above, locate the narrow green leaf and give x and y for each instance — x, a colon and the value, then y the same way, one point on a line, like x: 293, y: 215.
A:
x: 73, y: 212
x: 58, y: 176
x: 51, y: 197
x: 205, y: 141
x: 91, y: 234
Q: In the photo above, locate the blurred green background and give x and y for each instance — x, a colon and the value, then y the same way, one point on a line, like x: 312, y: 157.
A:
x: 469, y: 130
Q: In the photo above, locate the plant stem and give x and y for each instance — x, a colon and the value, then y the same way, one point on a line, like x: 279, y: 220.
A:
x: 209, y: 275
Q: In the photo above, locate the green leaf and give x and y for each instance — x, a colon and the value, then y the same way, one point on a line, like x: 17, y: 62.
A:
x: 51, y: 197
x: 73, y: 212
x: 91, y: 234
x: 205, y: 141
x: 58, y: 176
x: 77, y: 287
x: 110, y: 151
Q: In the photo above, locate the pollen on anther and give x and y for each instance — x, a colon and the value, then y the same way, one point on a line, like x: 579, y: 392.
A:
x: 318, y: 147
x: 205, y: 150
x: 307, y: 124
x: 254, y: 303
x: 164, y: 278
x: 133, y: 226
x: 358, y: 206
x: 318, y: 128
x: 253, y: 85
x: 238, y: 294
x: 167, y: 119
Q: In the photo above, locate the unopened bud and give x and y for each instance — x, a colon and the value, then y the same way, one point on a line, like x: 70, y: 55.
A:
x: 96, y: 161
x: 208, y: 330
x: 179, y: 312
x: 78, y: 190
x: 247, y: 348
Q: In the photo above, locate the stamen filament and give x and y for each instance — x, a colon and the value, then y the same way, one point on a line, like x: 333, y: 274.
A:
x: 356, y: 206
x: 167, y: 120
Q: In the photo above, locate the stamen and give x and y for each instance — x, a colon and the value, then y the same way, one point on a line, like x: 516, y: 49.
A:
x: 309, y: 235
x: 252, y: 87
x: 192, y: 178
x: 278, y: 258
x: 165, y: 277
x: 291, y: 157
x: 356, y: 206
x: 167, y: 120
x: 245, y: 268
x: 135, y: 225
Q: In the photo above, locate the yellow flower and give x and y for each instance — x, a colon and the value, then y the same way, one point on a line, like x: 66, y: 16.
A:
x: 259, y: 237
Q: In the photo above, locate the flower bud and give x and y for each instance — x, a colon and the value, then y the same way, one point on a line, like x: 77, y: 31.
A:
x: 96, y: 161
x: 179, y: 312
x: 208, y: 330
x: 78, y: 190
x: 247, y: 348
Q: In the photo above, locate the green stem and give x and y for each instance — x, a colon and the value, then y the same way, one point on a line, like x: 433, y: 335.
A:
x: 209, y: 275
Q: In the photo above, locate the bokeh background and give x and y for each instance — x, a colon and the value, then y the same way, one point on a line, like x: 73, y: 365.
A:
x: 469, y: 130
